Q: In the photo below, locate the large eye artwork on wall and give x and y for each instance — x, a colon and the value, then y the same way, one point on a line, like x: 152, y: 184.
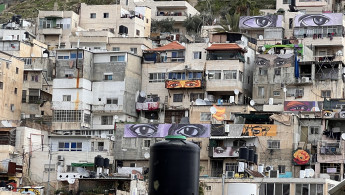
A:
x: 299, y: 105
x: 162, y: 130
x: 247, y: 22
x: 326, y: 19
x: 276, y: 60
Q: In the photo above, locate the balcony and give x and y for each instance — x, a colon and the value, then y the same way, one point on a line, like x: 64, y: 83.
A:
x: 330, y: 148
x: 321, y: 39
x: 107, y: 108
x: 225, y: 56
x: 51, y: 31
x: 178, y: 16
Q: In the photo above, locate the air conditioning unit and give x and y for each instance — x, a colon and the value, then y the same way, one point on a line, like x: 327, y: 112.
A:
x: 227, y: 128
x: 230, y: 174
x: 60, y: 158
x: 305, y: 79
x: 268, y: 168
x: 60, y: 163
x: 273, y: 174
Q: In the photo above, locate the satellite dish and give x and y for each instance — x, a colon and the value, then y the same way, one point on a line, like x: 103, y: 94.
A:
x: 252, y: 102
x: 236, y: 91
x: 339, y: 53
x: 83, y: 172
x: 213, y: 110
x: 261, y: 37
x: 142, y: 94
x: 343, y: 136
x: 116, y: 117
x: 147, y: 155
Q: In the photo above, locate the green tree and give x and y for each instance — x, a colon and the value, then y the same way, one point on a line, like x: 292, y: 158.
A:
x: 193, y: 24
x: 230, y: 24
x: 165, y: 25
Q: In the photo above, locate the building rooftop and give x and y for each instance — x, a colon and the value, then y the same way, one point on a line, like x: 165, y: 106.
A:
x: 224, y: 46
x: 171, y: 46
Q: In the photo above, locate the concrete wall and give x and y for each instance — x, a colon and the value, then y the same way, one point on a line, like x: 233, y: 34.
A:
x: 10, y: 80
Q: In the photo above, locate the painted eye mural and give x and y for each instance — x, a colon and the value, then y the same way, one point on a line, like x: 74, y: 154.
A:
x: 260, y: 21
x: 301, y: 157
x: 183, y: 84
x: 143, y: 130
x: 189, y: 130
x: 262, y: 61
x: 326, y: 19
x: 280, y: 61
x: 298, y: 105
x: 312, y: 20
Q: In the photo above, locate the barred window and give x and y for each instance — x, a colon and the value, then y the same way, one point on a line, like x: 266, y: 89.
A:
x: 67, y: 115
x: 70, y: 146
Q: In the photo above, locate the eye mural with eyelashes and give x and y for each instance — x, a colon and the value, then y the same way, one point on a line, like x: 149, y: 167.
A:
x: 144, y: 130
x: 187, y: 130
x: 313, y: 20
x: 280, y: 61
x: 259, y: 21
x: 262, y: 61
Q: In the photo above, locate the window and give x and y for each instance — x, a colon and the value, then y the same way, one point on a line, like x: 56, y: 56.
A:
x: 214, y: 74
x: 17, y: 70
x: 67, y: 115
x: 276, y: 93
x: 262, y: 71
x: 96, y: 47
x: 286, y: 1
x: 25, y: 76
x: 117, y: 58
x: 107, y: 120
x: 73, y: 55
x: 281, y: 169
x: 1, y: 85
x: 12, y: 107
x: 177, y: 75
x: 195, y: 96
x: 239, y: 143
x: 194, y: 75
x: 240, y: 76
x: 156, y: 77
x: 178, y: 98
x: 314, y: 130
x: 34, y: 95
x: 205, y: 116
x: 70, y: 146
x: 24, y: 96
x: 27, y: 61
x: 231, y: 167
x: 93, y: 15
x: 277, y: 71
x: 49, y: 167
x: 134, y: 50
x: 273, y: 144
x: 137, y: 32
x: 108, y: 77
x: 326, y: 93
x: 208, y: 188
x: 147, y: 143
x: 105, y: 15
x: 63, y: 57
x: 309, y: 189
x: 66, y: 98
x: 116, y: 49
x: 197, y: 55
x: 112, y: 101
x: 15, y: 90
x: 261, y: 92
x: 290, y: 22
x: 34, y: 78
x: 7, y: 65
x: 230, y: 74
x: 275, y: 189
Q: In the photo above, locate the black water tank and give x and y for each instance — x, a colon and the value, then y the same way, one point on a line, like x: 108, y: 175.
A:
x: 106, y: 163
x: 99, y: 161
x: 251, y: 154
x: 174, y: 167
x: 256, y: 159
x: 243, y: 154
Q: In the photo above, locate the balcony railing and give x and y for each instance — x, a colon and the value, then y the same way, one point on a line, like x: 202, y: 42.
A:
x: 225, y: 56
x: 330, y: 149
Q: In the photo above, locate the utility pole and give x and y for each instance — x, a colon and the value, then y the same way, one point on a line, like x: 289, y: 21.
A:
x: 50, y: 160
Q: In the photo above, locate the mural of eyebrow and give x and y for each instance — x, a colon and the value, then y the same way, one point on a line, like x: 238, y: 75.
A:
x: 144, y: 130
x: 313, y: 20
x: 260, y: 61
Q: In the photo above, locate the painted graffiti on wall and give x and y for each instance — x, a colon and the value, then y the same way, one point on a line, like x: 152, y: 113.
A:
x: 301, y: 157
x: 247, y: 22
x: 178, y: 84
x: 325, y: 19
x: 162, y: 130
x: 268, y: 60
x: 225, y: 152
x: 218, y: 113
x: 299, y: 105
x: 259, y: 130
